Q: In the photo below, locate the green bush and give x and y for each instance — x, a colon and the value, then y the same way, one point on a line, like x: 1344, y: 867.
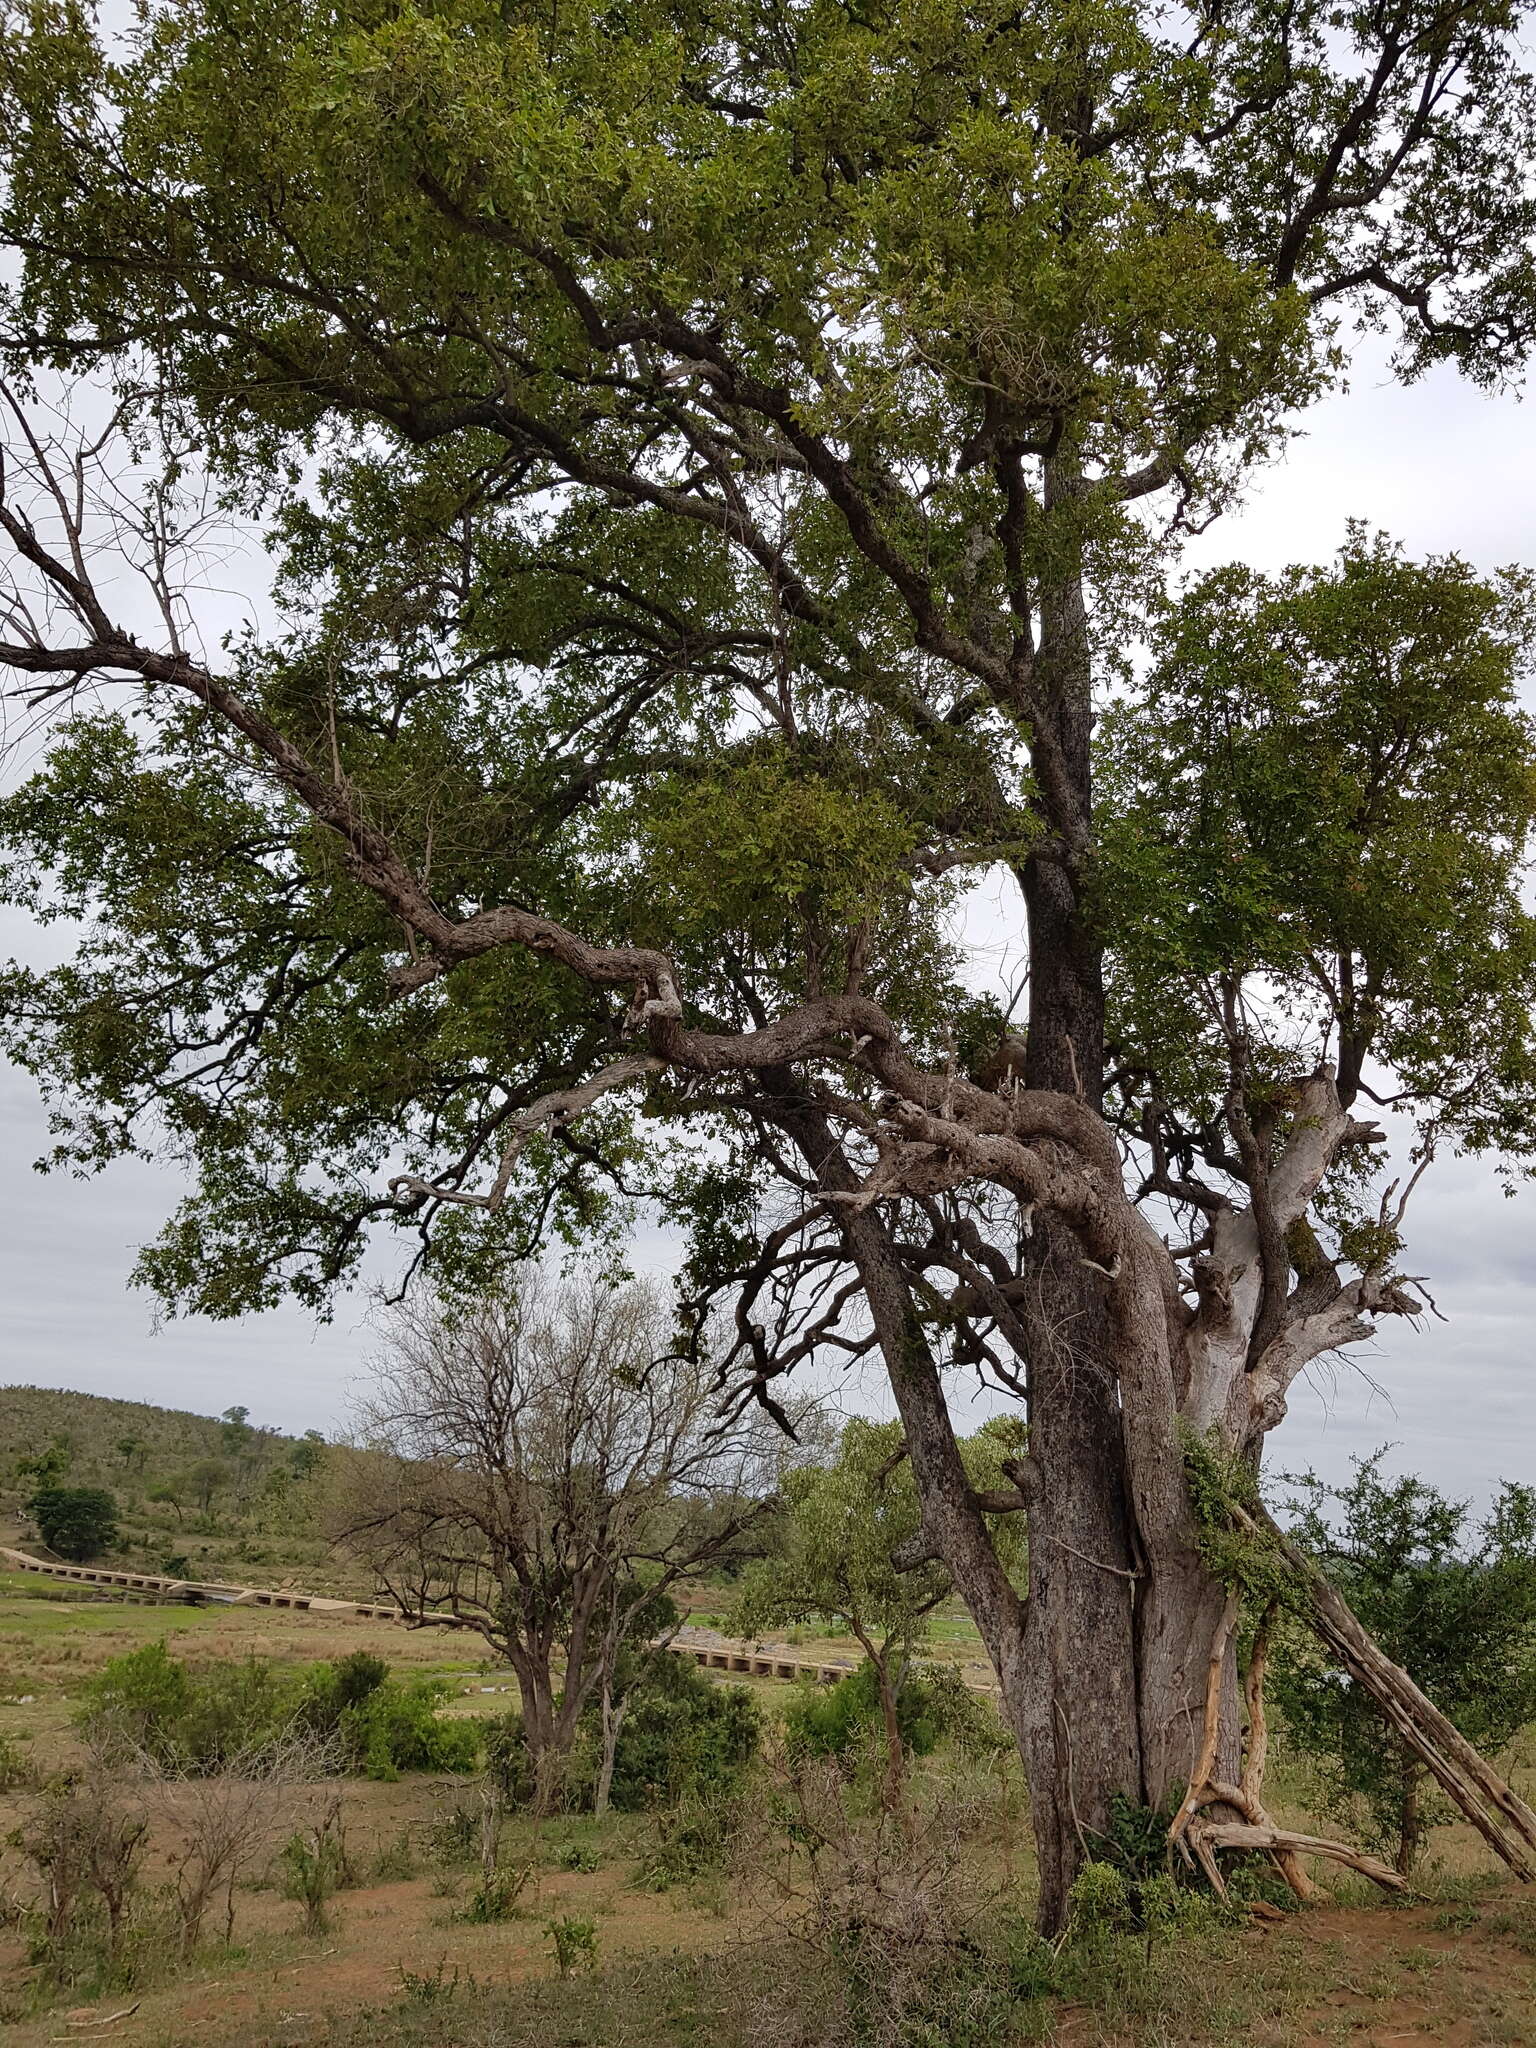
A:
x: 683, y: 1736
x: 690, y: 1841
x: 495, y: 1896
x: 397, y: 1727
x: 839, y: 1720
x: 574, y: 1943
x: 314, y: 1870
x: 198, y: 1721
x: 77, y: 1522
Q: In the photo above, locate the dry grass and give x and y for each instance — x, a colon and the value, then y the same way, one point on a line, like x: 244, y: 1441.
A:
x: 403, y: 1969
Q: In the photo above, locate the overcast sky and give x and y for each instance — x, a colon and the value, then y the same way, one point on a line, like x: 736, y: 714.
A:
x: 1441, y: 467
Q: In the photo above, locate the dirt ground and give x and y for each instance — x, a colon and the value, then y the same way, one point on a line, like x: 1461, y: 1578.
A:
x: 1458, y: 1968
x: 381, y: 1935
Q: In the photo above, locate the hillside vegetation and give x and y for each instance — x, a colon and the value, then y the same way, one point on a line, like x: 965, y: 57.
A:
x: 199, y: 1494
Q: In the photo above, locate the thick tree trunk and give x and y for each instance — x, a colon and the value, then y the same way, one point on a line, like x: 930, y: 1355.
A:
x: 894, y: 1792
x: 546, y: 1733
x: 1409, y: 1822
x: 1083, y: 1744
x: 1082, y: 1638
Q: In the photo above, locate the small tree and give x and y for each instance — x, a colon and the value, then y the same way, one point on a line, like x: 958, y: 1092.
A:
x: 47, y: 1467
x: 205, y: 1479
x: 307, y: 1455
x: 1453, y: 1602
x: 78, y: 1522
x: 851, y: 1551
x: 168, y: 1494
x: 235, y: 1430
x: 131, y: 1450
x: 553, y: 1468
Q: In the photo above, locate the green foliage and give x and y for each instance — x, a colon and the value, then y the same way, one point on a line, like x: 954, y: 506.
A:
x: 314, y: 1864
x: 200, y: 1720
x: 398, y: 1728
x: 47, y: 1467
x: 771, y: 846
x: 788, y: 369
x: 1223, y: 1489
x: 842, y: 1720
x: 1329, y: 783
x: 1451, y: 1599
x: 581, y: 1856
x: 496, y: 1895
x: 843, y: 1521
x: 307, y: 1456
x: 79, y: 1522
x: 573, y: 1943
x: 1100, y: 1898
x: 690, y: 1842
x: 15, y: 1770
x: 682, y: 1736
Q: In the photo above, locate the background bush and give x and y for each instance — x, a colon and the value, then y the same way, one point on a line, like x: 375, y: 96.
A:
x: 933, y: 1704
x: 76, y: 1522
x: 199, y: 1720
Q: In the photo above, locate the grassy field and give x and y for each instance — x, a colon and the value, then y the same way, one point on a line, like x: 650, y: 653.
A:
x: 719, y: 1963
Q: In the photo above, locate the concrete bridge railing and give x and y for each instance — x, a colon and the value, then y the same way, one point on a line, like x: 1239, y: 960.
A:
x: 767, y: 1663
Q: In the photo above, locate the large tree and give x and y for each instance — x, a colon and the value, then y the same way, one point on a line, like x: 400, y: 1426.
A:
x: 720, y: 456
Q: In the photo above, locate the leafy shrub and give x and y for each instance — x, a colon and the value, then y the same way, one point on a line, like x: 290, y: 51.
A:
x: 574, y: 1943
x: 839, y: 1720
x: 315, y: 1868
x: 397, y: 1727
x: 330, y: 1689
x: 437, y: 1989
x: 199, y: 1720
x: 1101, y: 1900
x: 690, y: 1841
x: 186, y: 1720
x: 683, y: 1736
x: 495, y: 1897
x: 77, y: 1522
x: 15, y: 1770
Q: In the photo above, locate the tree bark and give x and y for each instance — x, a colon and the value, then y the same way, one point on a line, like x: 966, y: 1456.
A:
x: 1081, y: 1714
x: 613, y: 1722
x: 1409, y: 1822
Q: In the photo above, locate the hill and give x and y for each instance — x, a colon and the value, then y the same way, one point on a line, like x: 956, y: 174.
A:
x: 214, y: 1492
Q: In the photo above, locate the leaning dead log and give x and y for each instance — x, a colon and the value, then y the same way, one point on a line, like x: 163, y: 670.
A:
x: 1492, y: 1806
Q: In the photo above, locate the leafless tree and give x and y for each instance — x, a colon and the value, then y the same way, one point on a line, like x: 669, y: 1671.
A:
x: 224, y: 1818
x: 554, y: 1467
